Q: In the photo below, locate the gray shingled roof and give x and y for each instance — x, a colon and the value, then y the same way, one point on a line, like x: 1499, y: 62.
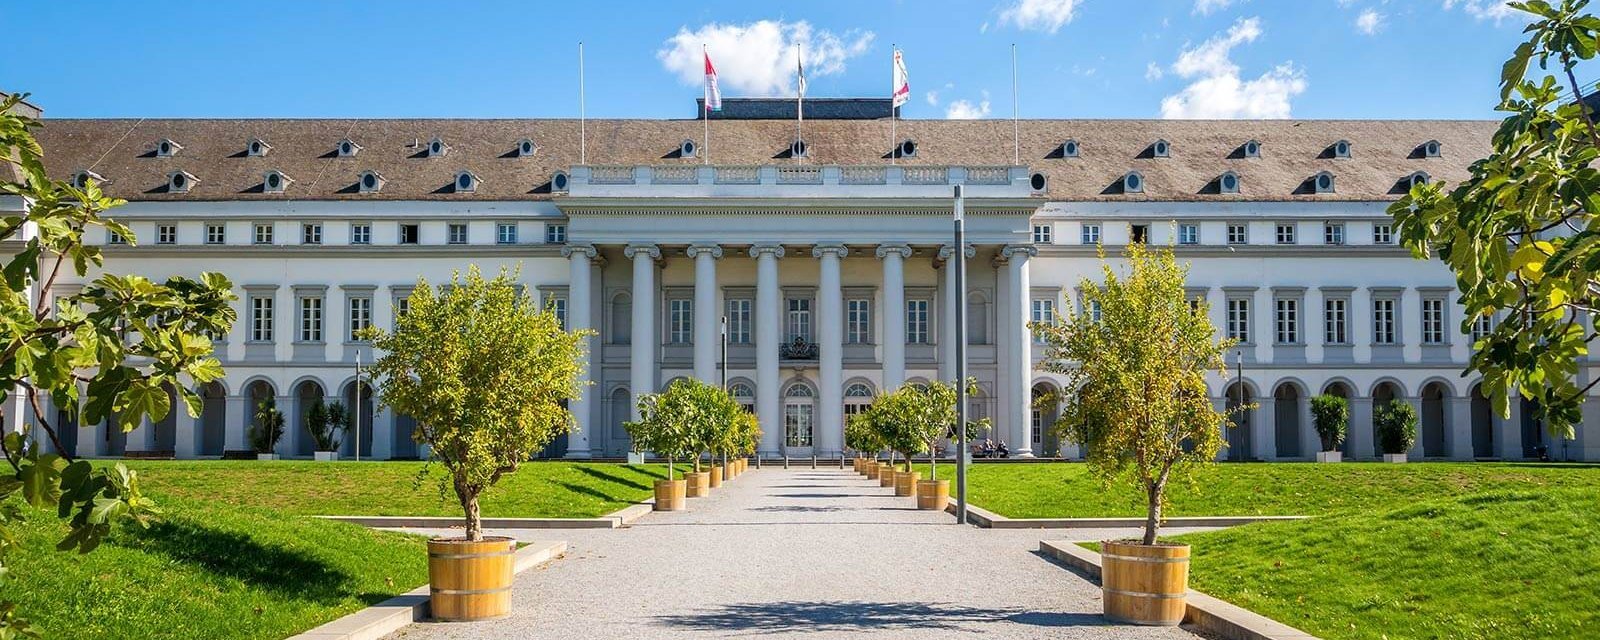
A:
x: 1384, y: 152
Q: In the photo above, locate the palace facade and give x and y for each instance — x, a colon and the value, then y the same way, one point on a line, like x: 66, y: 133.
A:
x: 827, y: 250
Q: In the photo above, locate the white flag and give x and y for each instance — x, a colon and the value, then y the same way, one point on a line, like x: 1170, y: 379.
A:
x: 902, y: 83
x: 713, y: 94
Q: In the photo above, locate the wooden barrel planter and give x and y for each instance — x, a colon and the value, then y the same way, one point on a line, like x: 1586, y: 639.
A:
x: 671, y: 494
x: 1144, y: 584
x: 933, y: 495
x: 470, y: 580
x: 716, y: 476
x: 871, y: 470
x: 699, y: 484
x: 886, y: 474
x: 905, y: 483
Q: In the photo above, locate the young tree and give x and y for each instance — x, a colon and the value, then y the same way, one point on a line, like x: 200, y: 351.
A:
x: 1330, y: 414
x: 1141, y: 408
x: 1396, y: 424
x: 485, y: 372
x: 107, y: 352
x: 921, y: 416
x: 689, y: 419
x: 268, y: 428
x: 1522, y: 232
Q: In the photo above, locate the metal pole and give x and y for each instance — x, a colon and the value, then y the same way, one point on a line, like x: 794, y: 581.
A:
x: 960, y: 300
x: 357, y: 408
x: 724, y: 365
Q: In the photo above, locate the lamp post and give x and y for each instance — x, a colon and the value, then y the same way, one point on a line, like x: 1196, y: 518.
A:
x: 357, y: 409
x: 960, y: 264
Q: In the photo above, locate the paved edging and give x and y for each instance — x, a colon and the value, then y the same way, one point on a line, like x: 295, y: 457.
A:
x: 986, y: 519
x: 1204, y: 612
x: 618, y: 518
x: 391, y: 615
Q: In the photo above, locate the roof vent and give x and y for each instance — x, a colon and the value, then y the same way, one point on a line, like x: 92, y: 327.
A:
x: 526, y: 148
x: 180, y: 182
x: 1431, y: 149
x: 1069, y: 149
x: 166, y: 148
x: 370, y: 182
x: 559, y: 182
x: 274, y: 181
x: 1323, y: 182
x: 1252, y: 149
x: 1038, y: 182
x: 348, y: 148
x: 798, y: 149
x: 257, y: 148
x: 466, y: 182
x: 81, y: 179
x: 437, y: 148
x: 1341, y: 149
x: 1160, y: 149
x: 1228, y: 182
x: 1133, y: 182
x: 1418, y: 179
x: 907, y: 149
x: 688, y: 148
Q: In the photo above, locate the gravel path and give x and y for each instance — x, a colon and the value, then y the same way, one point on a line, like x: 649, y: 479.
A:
x: 805, y: 553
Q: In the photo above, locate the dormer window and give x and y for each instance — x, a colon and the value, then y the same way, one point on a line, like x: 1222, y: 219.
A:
x: 1069, y: 149
x: 80, y: 180
x: 559, y: 181
x: 370, y: 182
x: 1252, y: 149
x: 437, y: 148
x: 1160, y: 149
x: 1341, y: 149
x: 274, y: 182
x: 688, y: 149
x: 526, y: 148
x: 180, y: 182
x: 907, y: 149
x: 1133, y: 182
x: 1431, y: 149
x: 1323, y: 182
x: 797, y: 149
x: 166, y: 148
x: 1228, y: 182
x: 1418, y: 179
x: 466, y: 182
x: 257, y: 148
x: 348, y: 148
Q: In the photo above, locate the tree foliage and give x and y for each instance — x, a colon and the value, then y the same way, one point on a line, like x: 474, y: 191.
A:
x: 1396, y: 424
x: 914, y: 419
x: 268, y: 427
x: 326, y: 422
x: 1141, y: 409
x: 486, y: 374
x: 1330, y: 415
x: 1522, y: 232
x: 692, y: 418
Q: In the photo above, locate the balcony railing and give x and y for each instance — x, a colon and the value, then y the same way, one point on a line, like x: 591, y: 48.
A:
x: 751, y: 180
x: 798, y: 349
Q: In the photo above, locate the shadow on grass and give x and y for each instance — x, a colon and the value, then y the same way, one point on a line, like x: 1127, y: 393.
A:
x: 860, y: 616
x: 283, y: 571
x: 606, y: 476
x: 589, y: 491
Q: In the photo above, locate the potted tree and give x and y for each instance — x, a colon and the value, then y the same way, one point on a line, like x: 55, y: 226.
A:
x: 1141, y: 408
x: 325, y: 422
x: 1330, y: 414
x: 860, y: 438
x: 661, y: 429
x: 487, y: 374
x: 1396, y: 423
x: 267, y: 431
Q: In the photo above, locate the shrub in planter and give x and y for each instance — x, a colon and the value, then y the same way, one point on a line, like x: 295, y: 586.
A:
x: 661, y: 429
x: 1330, y: 414
x: 487, y: 374
x: 1396, y: 424
x: 862, y: 436
x: 919, y: 418
x: 326, y: 423
x: 267, y: 430
x: 1142, y: 412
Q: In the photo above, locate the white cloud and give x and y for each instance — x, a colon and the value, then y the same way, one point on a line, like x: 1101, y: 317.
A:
x: 1369, y: 22
x: 965, y: 110
x: 932, y: 97
x: 1496, y: 10
x: 1152, y: 71
x: 1206, y: 7
x: 759, y: 58
x: 1218, y: 91
x: 1040, y: 15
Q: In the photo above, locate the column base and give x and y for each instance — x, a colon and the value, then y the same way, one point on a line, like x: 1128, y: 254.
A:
x: 578, y: 454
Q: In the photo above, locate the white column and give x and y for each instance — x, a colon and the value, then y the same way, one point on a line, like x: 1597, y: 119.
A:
x: 1264, y: 429
x: 1360, y: 433
x: 1415, y: 453
x: 236, y: 427
x: 288, y: 445
x: 1312, y: 329
x: 1508, y: 434
x: 643, y: 360
x: 579, y: 318
x: 768, y: 328
x: 1459, y: 427
x: 186, y: 444
x: 1003, y: 322
x: 1310, y: 442
x: 706, y: 318
x: 1410, y: 319
x: 1018, y: 359
x: 830, y: 350
x: 894, y: 314
x: 383, y: 431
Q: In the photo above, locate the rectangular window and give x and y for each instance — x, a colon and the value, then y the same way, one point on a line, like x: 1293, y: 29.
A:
x: 505, y: 233
x: 166, y: 234
x: 401, y: 306
x: 261, y: 319
x: 410, y: 233
x: 360, y: 233
x: 311, y: 319
x: 858, y: 321
x: 916, y: 322
x: 1188, y: 234
x: 458, y: 233
x: 311, y: 233
x: 360, y: 316
x: 1094, y: 310
x: 739, y: 321
x: 1333, y: 233
x: 263, y: 233
x: 799, y: 319
x: 1287, y: 320
x: 555, y: 233
x: 1433, y: 321
x: 1042, y: 234
x: 113, y: 237
x: 1238, y: 233
x: 216, y: 233
x: 1335, y: 317
x: 558, y: 305
x: 1382, y: 233
x: 1043, y: 312
x: 1091, y: 234
x: 1482, y: 326
x: 1383, y: 315
x: 1239, y: 319
x: 680, y: 321
x: 797, y: 419
x: 1285, y: 233
x: 1139, y: 233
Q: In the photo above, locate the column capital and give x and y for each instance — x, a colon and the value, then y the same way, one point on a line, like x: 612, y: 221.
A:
x: 633, y: 250
x: 585, y: 250
x: 830, y: 249
x: 946, y: 251
x: 902, y: 250
x: 1015, y: 250
x: 695, y: 250
x: 766, y: 248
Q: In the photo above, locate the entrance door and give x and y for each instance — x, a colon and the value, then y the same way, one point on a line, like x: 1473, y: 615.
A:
x: 799, y: 420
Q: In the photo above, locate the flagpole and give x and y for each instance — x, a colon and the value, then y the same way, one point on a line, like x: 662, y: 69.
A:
x: 583, y: 120
x: 893, y: 51
x: 357, y: 408
x: 1016, y: 112
x: 799, y: 94
x: 705, y: 114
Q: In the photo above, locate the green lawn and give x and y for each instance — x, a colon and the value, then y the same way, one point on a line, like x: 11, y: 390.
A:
x: 536, y: 490
x: 1065, y: 490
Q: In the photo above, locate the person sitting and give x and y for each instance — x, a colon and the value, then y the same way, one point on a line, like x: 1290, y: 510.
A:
x: 1002, y: 451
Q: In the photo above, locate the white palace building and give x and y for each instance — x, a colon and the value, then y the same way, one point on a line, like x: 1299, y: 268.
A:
x: 829, y: 257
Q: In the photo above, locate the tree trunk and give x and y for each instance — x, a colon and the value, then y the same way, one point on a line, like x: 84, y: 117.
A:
x: 469, y: 504
x: 1152, y: 521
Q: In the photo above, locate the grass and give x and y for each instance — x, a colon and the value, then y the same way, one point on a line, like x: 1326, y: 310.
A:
x: 536, y: 490
x: 1069, y: 491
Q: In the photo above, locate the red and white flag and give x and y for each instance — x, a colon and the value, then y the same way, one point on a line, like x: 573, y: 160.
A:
x: 901, y: 92
x: 713, y: 94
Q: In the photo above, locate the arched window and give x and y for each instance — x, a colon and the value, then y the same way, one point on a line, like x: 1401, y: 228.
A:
x: 857, y: 397
x: 799, y: 415
x: 744, y: 395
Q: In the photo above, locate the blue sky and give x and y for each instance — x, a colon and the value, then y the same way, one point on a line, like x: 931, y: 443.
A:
x: 1077, y: 58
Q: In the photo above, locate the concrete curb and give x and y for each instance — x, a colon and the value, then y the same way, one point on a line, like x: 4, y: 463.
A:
x: 618, y: 518
x: 384, y: 618
x: 986, y: 519
x: 1209, y: 614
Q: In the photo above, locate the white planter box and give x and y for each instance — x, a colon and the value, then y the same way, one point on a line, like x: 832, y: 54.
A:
x: 635, y: 457
x: 325, y: 456
x: 1330, y: 456
x: 1394, y: 457
x: 266, y: 456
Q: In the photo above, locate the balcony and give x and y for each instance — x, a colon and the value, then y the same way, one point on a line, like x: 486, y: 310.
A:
x: 798, y: 349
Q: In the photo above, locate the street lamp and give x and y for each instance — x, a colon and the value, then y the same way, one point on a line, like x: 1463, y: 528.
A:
x: 959, y: 258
